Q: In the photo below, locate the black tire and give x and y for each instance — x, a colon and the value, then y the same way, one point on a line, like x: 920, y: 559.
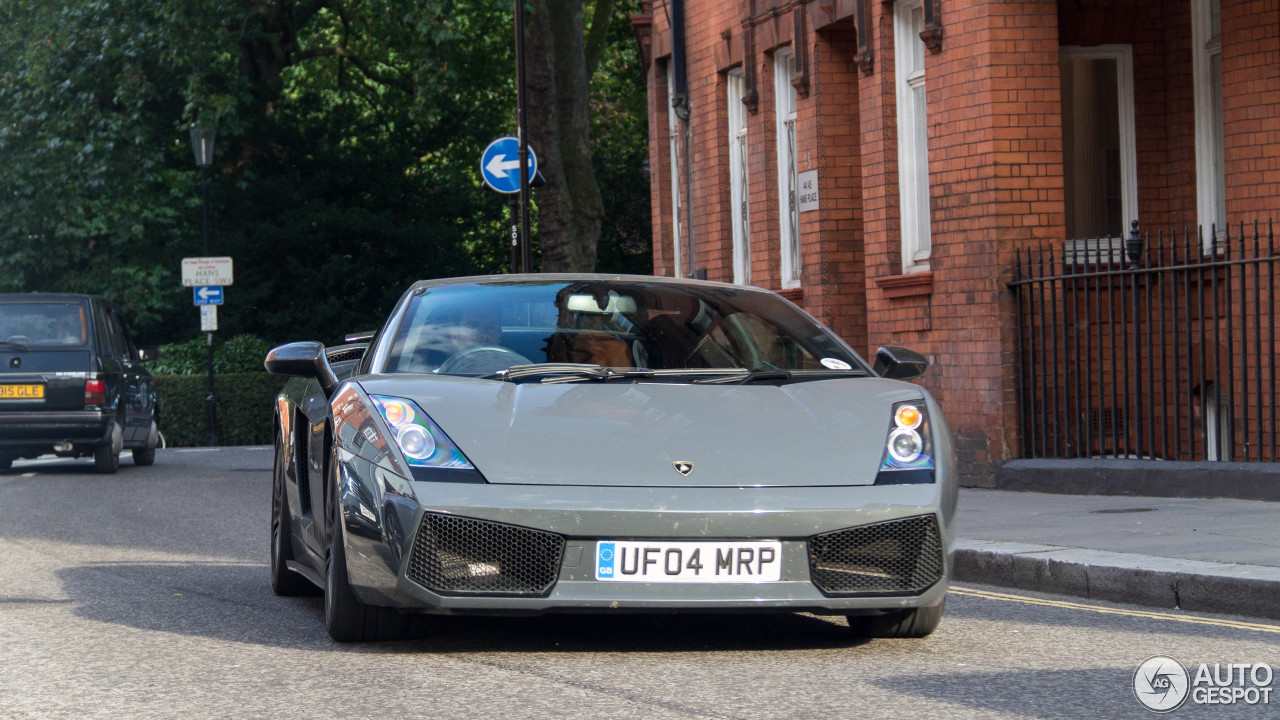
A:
x: 106, y: 457
x: 284, y: 582
x: 909, y: 623
x: 345, y: 617
x: 6, y: 462
x: 146, y: 455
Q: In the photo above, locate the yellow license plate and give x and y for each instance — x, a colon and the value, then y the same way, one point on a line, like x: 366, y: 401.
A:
x: 21, y: 392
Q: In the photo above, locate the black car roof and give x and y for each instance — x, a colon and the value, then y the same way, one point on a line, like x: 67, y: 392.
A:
x: 47, y: 297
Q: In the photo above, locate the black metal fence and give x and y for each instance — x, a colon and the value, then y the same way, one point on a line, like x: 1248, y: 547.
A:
x: 1149, y: 347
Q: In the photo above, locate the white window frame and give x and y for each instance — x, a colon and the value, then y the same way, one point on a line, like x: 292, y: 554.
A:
x: 1218, y: 439
x: 739, y: 187
x: 1122, y: 54
x: 1211, y: 205
x: 673, y: 141
x: 913, y: 136
x: 784, y: 94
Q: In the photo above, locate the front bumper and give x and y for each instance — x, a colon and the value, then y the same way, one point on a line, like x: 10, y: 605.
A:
x: 383, y: 515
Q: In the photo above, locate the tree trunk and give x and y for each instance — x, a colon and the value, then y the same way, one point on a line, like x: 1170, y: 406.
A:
x: 268, y: 40
x: 570, y: 210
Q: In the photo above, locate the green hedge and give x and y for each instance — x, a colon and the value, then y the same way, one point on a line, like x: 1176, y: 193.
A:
x: 243, y: 401
x: 239, y: 354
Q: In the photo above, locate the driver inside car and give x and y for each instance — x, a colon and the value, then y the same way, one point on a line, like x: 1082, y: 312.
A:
x: 473, y: 343
x: 476, y: 326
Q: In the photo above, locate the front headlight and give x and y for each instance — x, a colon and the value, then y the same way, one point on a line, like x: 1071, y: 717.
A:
x: 421, y: 441
x: 908, y: 452
x: 905, y: 446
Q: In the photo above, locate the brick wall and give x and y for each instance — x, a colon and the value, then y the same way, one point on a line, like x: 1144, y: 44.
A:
x: 995, y: 169
x: 1251, y: 106
x: 660, y: 170
x: 995, y: 164
x: 833, y: 242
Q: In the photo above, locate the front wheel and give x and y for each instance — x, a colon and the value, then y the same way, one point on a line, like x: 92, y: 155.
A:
x: 907, y: 623
x: 345, y: 617
x: 284, y: 582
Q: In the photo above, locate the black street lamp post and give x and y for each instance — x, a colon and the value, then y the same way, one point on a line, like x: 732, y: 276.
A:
x: 202, y: 146
x: 522, y: 132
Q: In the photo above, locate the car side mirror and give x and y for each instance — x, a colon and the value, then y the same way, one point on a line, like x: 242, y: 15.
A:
x: 302, y: 359
x: 897, y: 363
x: 147, y: 354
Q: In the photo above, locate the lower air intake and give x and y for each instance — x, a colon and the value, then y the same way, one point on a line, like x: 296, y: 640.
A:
x: 899, y: 557
x: 465, y: 556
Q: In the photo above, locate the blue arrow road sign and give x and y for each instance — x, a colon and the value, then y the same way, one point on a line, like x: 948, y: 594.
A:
x: 208, y: 294
x: 500, y: 165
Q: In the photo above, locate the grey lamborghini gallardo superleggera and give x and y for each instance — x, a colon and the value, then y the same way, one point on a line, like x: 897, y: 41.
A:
x: 554, y: 443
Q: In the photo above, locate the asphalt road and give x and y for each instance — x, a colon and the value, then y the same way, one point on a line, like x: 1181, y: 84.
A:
x: 145, y: 595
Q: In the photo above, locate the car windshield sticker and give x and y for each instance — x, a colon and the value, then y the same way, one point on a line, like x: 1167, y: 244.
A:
x: 835, y: 364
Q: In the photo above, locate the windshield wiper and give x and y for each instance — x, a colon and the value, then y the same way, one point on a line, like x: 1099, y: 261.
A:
x: 516, y: 373
x: 566, y: 372
x: 743, y: 377
x: 577, y: 372
x: 10, y: 343
x: 756, y: 375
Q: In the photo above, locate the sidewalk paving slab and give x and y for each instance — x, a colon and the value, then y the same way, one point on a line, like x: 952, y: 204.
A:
x: 1203, y: 555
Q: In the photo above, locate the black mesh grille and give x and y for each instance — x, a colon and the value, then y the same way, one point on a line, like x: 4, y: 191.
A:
x: 343, y: 353
x: 899, y: 557
x: 464, y: 556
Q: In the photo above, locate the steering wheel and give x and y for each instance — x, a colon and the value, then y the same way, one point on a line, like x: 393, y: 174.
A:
x: 481, y: 360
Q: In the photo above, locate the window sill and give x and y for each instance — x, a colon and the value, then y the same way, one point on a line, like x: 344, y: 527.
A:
x: 900, y: 286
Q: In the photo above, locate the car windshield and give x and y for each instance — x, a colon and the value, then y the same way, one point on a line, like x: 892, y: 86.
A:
x: 42, y: 324
x: 635, y: 328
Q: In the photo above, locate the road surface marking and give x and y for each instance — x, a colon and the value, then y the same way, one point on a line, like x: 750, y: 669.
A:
x: 1027, y: 600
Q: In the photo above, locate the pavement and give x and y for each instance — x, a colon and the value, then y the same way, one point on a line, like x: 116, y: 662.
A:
x: 1202, y: 555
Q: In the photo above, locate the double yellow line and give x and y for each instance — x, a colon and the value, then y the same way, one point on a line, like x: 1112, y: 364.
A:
x: 1189, y: 619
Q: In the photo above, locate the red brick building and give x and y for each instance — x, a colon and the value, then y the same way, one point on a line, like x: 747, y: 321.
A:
x: 881, y: 162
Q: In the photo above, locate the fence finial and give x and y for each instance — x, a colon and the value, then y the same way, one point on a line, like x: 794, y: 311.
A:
x: 1133, y: 246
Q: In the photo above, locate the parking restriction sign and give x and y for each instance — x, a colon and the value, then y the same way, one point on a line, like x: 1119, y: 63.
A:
x: 208, y: 318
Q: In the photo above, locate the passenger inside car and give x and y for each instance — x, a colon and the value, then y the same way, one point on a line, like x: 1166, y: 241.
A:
x: 589, y: 346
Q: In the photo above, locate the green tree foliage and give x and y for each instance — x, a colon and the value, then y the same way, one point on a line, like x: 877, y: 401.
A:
x: 349, y: 133
x: 620, y: 149
x: 91, y: 195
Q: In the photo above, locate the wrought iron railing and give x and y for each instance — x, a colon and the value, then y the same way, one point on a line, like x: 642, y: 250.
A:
x: 1150, y: 348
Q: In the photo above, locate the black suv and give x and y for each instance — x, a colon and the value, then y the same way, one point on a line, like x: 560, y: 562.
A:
x: 71, y: 382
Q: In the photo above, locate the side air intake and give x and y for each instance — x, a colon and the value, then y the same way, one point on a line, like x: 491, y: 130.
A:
x: 898, y: 557
x: 465, y: 556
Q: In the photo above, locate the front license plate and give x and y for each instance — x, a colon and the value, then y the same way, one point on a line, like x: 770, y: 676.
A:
x: 689, y: 562
x: 21, y: 392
